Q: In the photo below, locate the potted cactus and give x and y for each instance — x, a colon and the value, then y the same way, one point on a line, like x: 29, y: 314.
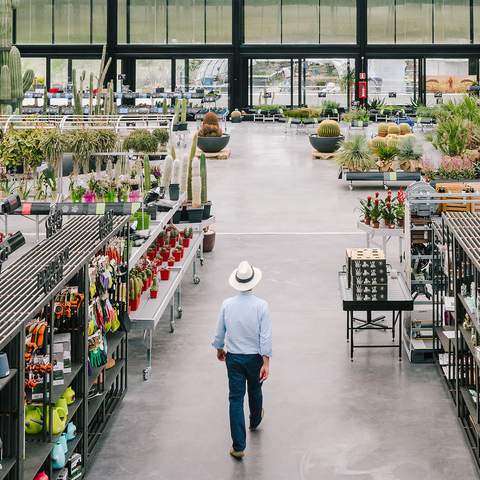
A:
x: 328, y: 137
x: 236, y: 116
x: 154, y: 287
x: 187, y: 236
x: 195, y: 211
x: 164, y: 274
x: 211, y: 138
x: 174, y: 187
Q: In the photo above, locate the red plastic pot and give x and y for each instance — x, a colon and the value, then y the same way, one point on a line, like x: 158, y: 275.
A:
x: 160, y: 242
x: 151, y: 254
x: 165, y: 256
x: 171, y: 263
x: 153, y: 293
x: 177, y: 255
x: 173, y: 242
x: 164, y: 274
x: 186, y: 242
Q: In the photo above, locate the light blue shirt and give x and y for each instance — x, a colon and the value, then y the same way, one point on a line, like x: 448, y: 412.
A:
x: 244, y: 326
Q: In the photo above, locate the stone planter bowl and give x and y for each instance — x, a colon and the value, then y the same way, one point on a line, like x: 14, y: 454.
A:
x: 213, y: 144
x: 325, y: 144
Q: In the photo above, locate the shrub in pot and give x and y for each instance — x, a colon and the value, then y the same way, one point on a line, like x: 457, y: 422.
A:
x: 328, y: 137
x: 162, y: 135
x: 141, y: 141
x: 386, y: 158
x: 211, y: 138
x: 354, y: 154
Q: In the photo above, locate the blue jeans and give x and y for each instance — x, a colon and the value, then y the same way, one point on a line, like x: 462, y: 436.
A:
x: 243, y: 369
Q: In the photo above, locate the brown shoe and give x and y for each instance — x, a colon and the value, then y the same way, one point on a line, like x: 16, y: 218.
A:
x: 237, y: 455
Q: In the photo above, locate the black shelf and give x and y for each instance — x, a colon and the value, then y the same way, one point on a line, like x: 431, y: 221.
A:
x: 114, y: 340
x: 5, y: 381
x: 93, y: 406
x: 58, y: 390
x: 112, y: 373
x: 7, y: 465
x: 444, y: 340
x: 72, y: 445
x: 471, y: 407
x: 35, y: 455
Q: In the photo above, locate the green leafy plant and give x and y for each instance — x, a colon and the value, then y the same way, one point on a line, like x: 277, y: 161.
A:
x: 141, y: 141
x: 366, y: 207
x: 354, y: 154
x: 376, y: 104
x: 162, y: 135
x: 451, y: 136
x: 22, y: 147
x: 386, y: 153
x: 329, y: 106
x: 356, y: 115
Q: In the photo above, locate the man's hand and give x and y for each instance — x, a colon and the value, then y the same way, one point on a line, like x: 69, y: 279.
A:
x: 221, y: 355
x: 265, y: 370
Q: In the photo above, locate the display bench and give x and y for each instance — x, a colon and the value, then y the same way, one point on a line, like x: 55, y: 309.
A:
x: 386, y: 234
x: 384, y: 178
x: 46, y: 302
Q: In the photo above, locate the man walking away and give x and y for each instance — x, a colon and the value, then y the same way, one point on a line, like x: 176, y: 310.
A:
x: 244, y: 341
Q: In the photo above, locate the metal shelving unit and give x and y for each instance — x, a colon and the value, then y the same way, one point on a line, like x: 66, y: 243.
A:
x: 22, y: 298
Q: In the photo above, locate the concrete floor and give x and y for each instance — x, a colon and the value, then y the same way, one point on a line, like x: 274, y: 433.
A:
x: 325, y: 417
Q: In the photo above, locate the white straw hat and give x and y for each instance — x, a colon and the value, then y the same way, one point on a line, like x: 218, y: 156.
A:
x: 245, y: 277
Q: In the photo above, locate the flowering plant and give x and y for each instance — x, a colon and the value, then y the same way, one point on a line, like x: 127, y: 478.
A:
x: 376, y: 211
x: 366, y: 206
x: 388, y: 213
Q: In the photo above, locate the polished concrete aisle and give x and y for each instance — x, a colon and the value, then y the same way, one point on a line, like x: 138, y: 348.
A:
x: 325, y: 417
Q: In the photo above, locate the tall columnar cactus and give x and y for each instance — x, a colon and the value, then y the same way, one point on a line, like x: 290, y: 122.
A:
x: 176, y: 172
x: 193, y: 151
x: 167, y: 172
x: 165, y: 107
x: 176, y: 113
x: 184, y: 174
x: 147, y: 175
x: 15, y: 65
x: 90, y: 94
x: 196, y: 184
x: 77, y: 92
x: 28, y: 78
x: 5, y: 90
x: 203, y: 176
x: 184, y: 111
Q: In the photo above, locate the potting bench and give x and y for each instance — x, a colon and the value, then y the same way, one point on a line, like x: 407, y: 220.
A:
x: 398, y: 301
x: 386, y: 235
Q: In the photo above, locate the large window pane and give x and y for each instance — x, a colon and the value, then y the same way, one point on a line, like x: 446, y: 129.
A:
x: 152, y: 74
x: 34, y: 21
x: 300, y: 21
x: 263, y: 21
x: 122, y: 21
x: 186, y: 21
x: 148, y: 21
x: 327, y: 79
x: 39, y: 67
x: 381, y: 21
x: 88, y: 66
x: 391, y: 76
x: 448, y: 76
x: 272, y: 77
x: 414, y: 21
x: 452, y: 21
x: 59, y: 73
x: 210, y: 74
x: 72, y: 21
x: 476, y: 21
x: 219, y: 21
x: 338, y: 21
x: 99, y: 21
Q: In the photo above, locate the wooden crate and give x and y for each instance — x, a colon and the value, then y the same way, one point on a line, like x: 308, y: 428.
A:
x: 222, y: 155
x: 453, y: 187
x: 322, y: 156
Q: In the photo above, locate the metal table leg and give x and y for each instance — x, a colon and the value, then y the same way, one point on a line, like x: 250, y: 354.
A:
x: 351, y: 336
x: 196, y: 278
x: 400, y: 336
x: 348, y: 325
x: 172, y: 315
x: 179, y: 301
x: 148, y: 339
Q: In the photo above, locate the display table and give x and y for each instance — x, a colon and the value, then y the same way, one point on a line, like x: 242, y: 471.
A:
x: 386, y: 235
x: 398, y: 301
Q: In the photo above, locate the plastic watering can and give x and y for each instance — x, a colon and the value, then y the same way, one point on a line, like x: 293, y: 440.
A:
x: 63, y: 442
x: 59, y: 420
x: 33, y: 420
x: 62, y: 403
x: 71, y: 431
x: 58, y: 456
x: 41, y: 476
x: 69, y: 395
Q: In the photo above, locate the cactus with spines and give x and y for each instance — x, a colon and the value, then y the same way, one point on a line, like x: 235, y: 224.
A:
x: 184, y: 173
x: 405, y: 128
x: 183, y: 118
x: 165, y: 107
x: 28, y: 78
x: 328, y: 128
x: 196, y: 184
x: 193, y: 152
x: 78, y: 92
x: 176, y: 113
x: 45, y: 101
x: 203, y: 176
x: 147, y: 174
x: 167, y: 172
x: 382, y: 129
x: 176, y: 172
x: 376, y: 142
x: 393, y: 129
x: 15, y: 65
x: 5, y: 90
x: 90, y: 94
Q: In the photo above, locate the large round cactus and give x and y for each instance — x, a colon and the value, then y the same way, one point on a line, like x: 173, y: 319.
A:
x: 393, y: 129
x: 382, y: 129
x: 405, y: 128
x: 328, y: 128
x: 376, y: 142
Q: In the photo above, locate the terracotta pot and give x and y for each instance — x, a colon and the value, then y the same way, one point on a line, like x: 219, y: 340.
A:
x: 376, y: 224
x: 164, y: 274
x: 153, y: 293
x: 391, y: 225
x: 367, y: 221
x: 401, y: 223
x: 209, y: 241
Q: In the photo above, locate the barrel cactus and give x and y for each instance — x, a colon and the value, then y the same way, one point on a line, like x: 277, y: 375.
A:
x: 382, y: 129
x: 393, y: 129
x: 405, y: 128
x: 328, y: 128
x: 377, y: 142
x: 392, y: 142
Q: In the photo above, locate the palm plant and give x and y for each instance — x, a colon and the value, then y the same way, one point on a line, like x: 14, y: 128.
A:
x: 354, y: 154
x: 451, y: 137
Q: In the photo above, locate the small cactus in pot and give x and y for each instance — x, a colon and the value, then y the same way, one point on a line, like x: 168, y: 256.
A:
x: 328, y: 137
x: 236, y: 116
x: 154, y: 287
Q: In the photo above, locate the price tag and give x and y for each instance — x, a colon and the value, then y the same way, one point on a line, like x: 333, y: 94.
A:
x: 392, y: 94
x: 392, y: 176
x: 322, y: 94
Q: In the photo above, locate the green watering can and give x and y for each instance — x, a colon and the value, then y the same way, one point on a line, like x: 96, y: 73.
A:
x: 69, y: 395
x: 62, y: 403
x: 59, y: 420
x: 33, y: 420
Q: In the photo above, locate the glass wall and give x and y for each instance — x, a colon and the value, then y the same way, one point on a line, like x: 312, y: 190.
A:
x: 39, y: 66
x: 327, y: 79
x: 452, y: 21
x: 209, y: 74
x: 34, y: 21
x: 413, y: 21
x: 393, y: 81
x: 59, y: 73
x: 270, y: 78
x: 175, y: 21
x: 300, y: 21
x: 152, y: 74
x: 448, y: 77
